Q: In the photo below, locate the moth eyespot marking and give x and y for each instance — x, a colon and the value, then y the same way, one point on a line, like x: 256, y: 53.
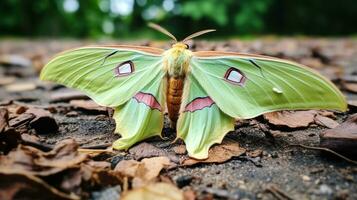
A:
x: 277, y: 90
x: 124, y: 68
x: 235, y: 76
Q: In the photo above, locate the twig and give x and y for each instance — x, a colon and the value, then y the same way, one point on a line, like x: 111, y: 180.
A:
x: 279, y: 194
x: 95, y: 150
x: 38, y: 145
x: 97, y: 146
x: 327, y: 150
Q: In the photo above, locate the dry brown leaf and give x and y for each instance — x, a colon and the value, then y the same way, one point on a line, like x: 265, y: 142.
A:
x: 219, y: 153
x: 255, y: 153
x: 180, y: 149
x: 291, y: 119
x: 25, y: 186
x: 21, y: 119
x: 189, y: 194
x: 20, y: 109
x: 64, y: 154
x: 26, y: 159
x: 326, y: 113
x: 89, y: 174
x: 88, y: 105
x: 20, y: 87
x: 342, y: 138
x: 351, y: 87
x: 144, y: 171
x: 4, y: 117
x: 157, y: 191
x: 146, y: 150
x: 7, y: 80
x: 312, y: 62
x: 67, y: 95
x: 325, y: 121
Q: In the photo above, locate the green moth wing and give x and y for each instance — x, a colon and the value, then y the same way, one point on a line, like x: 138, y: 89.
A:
x: 110, y: 75
x: 128, y: 78
x: 142, y: 116
x: 201, y: 123
x: 245, y: 86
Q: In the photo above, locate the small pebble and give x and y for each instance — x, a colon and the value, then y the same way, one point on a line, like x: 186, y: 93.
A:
x: 183, y: 181
x: 325, y: 189
x: 305, y: 178
x: 274, y: 154
x: 72, y: 114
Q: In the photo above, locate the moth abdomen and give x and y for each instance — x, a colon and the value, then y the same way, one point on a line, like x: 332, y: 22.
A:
x: 174, y: 96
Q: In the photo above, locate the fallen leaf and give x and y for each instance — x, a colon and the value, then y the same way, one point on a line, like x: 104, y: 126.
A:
x: 144, y: 171
x: 312, y: 62
x: 7, y: 80
x: 219, y: 153
x: 26, y: 159
x: 351, y: 87
x: 189, y: 194
x: 25, y: 186
x: 67, y: 95
x: 146, y: 150
x: 255, y: 153
x: 4, y: 118
x: 88, y: 105
x: 180, y: 149
x: 157, y: 191
x: 87, y: 175
x: 20, y: 109
x: 342, y: 138
x: 291, y: 119
x: 326, y: 113
x: 20, y: 87
x: 21, y: 119
x: 34, y: 141
x: 325, y: 121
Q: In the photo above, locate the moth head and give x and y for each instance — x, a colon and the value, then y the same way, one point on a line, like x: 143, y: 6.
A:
x: 180, y: 45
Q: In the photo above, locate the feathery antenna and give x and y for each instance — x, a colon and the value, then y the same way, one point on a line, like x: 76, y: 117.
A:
x: 197, y: 34
x: 166, y: 32
x: 162, y: 30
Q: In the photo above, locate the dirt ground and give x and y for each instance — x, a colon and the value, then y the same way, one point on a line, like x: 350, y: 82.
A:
x: 280, y: 171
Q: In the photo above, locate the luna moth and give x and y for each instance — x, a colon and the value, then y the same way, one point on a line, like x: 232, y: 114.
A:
x: 203, y: 92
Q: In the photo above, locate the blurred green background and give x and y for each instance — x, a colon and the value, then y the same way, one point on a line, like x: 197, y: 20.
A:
x: 128, y: 18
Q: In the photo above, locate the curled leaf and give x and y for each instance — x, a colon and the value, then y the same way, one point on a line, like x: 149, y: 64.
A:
x: 145, y: 171
x: 157, y: 191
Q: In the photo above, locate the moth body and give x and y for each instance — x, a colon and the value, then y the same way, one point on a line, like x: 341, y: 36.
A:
x: 177, y: 61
